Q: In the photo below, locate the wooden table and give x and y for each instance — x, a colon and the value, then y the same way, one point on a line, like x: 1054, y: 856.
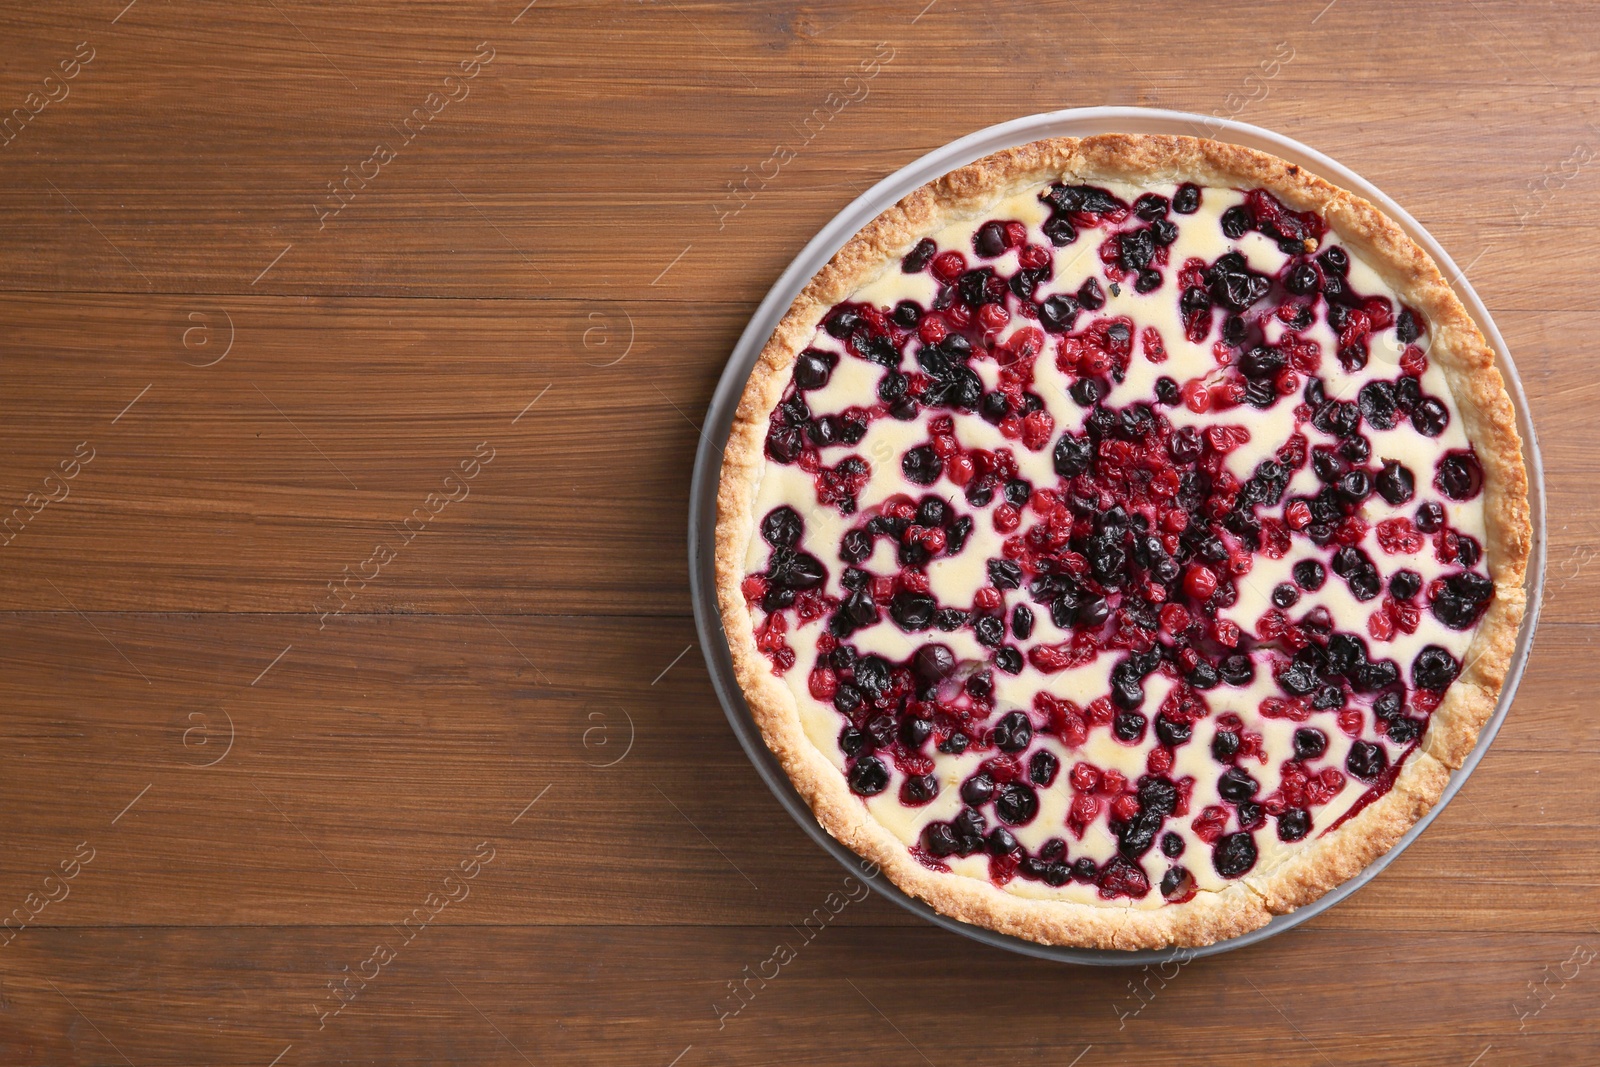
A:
x: 351, y: 364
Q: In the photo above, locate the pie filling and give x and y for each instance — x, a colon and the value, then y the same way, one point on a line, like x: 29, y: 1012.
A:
x: 1119, y: 543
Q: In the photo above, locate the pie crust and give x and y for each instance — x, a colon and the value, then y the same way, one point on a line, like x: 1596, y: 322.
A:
x: 1458, y: 349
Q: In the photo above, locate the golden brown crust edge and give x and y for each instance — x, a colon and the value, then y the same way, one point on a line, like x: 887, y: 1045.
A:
x: 1462, y: 353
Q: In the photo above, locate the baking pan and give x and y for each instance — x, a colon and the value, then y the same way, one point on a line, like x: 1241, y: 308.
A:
x: 1075, y: 122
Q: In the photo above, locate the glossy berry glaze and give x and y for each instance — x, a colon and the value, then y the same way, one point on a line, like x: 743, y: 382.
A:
x: 1120, y: 542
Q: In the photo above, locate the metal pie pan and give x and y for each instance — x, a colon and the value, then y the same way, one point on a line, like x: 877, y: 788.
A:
x: 1075, y: 122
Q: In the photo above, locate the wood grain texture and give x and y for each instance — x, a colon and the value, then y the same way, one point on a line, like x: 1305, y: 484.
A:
x: 256, y: 780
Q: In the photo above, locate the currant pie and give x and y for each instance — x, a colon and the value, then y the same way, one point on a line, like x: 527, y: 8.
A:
x: 1120, y: 540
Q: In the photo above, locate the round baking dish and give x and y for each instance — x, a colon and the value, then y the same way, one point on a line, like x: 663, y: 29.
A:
x: 1076, y: 122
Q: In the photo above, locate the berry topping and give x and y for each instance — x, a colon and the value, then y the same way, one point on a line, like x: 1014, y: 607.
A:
x: 1458, y: 601
x: 1459, y: 476
x: 922, y: 465
x: 1309, y: 743
x: 868, y: 776
x: 917, y: 259
x: 1016, y: 804
x: 1234, y: 855
x: 1056, y: 530
x: 1366, y: 760
x: 1430, y: 417
x: 1293, y: 824
x: 1013, y: 733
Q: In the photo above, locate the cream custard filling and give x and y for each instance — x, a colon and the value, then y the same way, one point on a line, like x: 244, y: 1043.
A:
x: 959, y: 581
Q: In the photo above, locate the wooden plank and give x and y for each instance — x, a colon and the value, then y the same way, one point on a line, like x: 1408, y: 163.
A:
x: 250, y: 484
x: 372, y: 754
x: 159, y: 995
x: 326, y: 428
x: 643, y: 120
